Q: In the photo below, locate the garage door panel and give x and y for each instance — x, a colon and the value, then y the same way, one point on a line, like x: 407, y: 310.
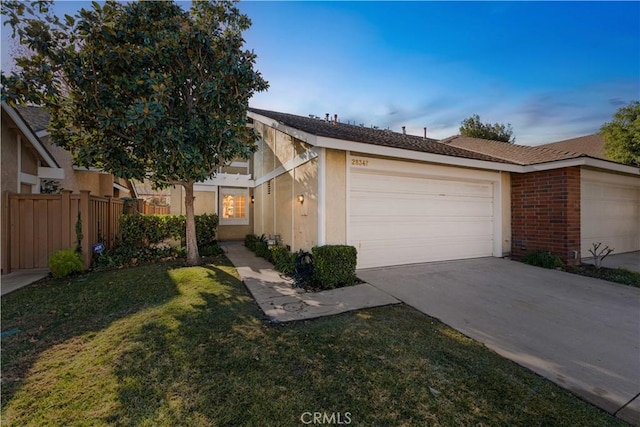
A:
x: 419, y: 250
x: 610, y: 212
x: 408, y: 219
x: 400, y: 207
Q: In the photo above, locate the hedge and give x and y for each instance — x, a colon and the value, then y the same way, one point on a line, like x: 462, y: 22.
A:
x: 138, y: 231
x: 334, y: 266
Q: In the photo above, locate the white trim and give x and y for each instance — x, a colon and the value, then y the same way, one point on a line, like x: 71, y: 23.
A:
x: 287, y: 166
x: 247, y: 200
x: 322, y: 197
x: 50, y: 173
x: 27, y: 178
x: 88, y: 169
x: 497, y: 217
x: 42, y: 133
x: 120, y: 187
x: 31, y: 137
x: 229, y: 180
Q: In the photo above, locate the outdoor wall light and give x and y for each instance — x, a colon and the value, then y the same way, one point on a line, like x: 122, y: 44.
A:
x: 301, y: 198
x: 253, y: 199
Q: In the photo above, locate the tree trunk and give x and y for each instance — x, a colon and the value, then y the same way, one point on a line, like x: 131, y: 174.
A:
x: 193, y: 258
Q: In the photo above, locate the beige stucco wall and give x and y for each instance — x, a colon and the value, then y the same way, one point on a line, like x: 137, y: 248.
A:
x: 305, y: 214
x: 277, y: 210
x: 29, y: 159
x: 506, y: 213
x: 336, y: 199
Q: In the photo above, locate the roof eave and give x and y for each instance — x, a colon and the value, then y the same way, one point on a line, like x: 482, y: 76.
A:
x: 31, y: 136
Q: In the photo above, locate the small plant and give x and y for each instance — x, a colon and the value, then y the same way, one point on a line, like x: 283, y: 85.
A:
x: 599, y: 254
x: 65, y: 262
x: 303, y: 269
x: 334, y: 266
x: 543, y: 259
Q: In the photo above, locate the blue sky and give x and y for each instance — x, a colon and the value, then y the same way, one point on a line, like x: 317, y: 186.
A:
x: 553, y: 70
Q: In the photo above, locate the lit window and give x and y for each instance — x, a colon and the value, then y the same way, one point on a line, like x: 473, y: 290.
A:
x: 234, y: 208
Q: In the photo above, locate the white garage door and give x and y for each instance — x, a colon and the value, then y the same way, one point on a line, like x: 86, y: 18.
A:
x: 409, y: 219
x: 610, y: 211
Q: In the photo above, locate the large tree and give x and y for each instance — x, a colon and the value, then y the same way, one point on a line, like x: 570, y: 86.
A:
x: 141, y: 89
x: 475, y: 128
x: 622, y: 134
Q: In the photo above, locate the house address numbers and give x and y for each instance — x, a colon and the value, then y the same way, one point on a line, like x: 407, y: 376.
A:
x: 359, y: 162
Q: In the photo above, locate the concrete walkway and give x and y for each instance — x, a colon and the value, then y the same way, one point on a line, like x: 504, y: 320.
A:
x: 579, y: 332
x: 21, y: 278
x: 281, y: 302
x: 629, y: 261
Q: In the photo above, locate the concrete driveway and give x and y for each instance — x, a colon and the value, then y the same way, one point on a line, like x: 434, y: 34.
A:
x: 581, y: 333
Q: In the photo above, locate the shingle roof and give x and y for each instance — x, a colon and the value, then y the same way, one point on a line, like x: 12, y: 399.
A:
x: 387, y: 138
x: 591, y: 145
x: 519, y: 154
x: 36, y: 117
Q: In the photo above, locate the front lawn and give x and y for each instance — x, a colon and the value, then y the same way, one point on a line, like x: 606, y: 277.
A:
x: 156, y: 345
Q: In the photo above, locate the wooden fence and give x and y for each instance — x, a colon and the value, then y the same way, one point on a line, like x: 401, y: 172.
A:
x: 34, y: 226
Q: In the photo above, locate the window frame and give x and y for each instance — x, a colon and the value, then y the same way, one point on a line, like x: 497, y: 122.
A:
x: 234, y: 192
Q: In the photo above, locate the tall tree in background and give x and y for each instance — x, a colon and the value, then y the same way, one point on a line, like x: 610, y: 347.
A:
x: 141, y: 89
x: 622, y: 135
x: 473, y: 127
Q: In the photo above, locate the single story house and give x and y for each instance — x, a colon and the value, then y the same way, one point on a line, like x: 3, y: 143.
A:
x: 403, y: 199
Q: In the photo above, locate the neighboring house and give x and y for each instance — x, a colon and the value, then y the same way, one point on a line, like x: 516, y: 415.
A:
x: 404, y: 199
x: 591, y: 145
x: 25, y: 159
x: 75, y: 178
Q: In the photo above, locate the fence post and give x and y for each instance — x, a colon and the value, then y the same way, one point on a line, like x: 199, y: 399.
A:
x: 84, y: 214
x: 6, y: 234
x: 65, y: 212
x: 109, y: 225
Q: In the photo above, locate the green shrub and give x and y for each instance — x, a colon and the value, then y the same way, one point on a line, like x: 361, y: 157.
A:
x: 66, y: 262
x: 211, y: 249
x: 250, y: 242
x: 262, y: 250
x: 138, y: 231
x: 123, y: 255
x: 334, y: 266
x: 283, y: 260
x: 543, y: 259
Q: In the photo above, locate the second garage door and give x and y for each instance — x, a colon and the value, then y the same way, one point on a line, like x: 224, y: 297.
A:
x: 610, y: 211
x: 400, y: 218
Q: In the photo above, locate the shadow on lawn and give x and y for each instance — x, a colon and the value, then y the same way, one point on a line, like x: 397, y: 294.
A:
x: 53, y: 311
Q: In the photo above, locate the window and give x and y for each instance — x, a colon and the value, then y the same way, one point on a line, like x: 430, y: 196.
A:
x: 234, y: 206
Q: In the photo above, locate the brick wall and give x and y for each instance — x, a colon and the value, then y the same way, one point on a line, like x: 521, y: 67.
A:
x: 545, y: 213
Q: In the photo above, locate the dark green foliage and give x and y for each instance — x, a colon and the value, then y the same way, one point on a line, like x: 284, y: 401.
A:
x: 543, y: 259
x: 262, y: 250
x: 65, y: 262
x: 474, y: 128
x: 622, y: 135
x: 124, y: 255
x: 143, y: 89
x: 211, y: 249
x: 334, y: 266
x: 250, y: 242
x: 283, y: 260
x: 616, y: 275
x: 138, y: 231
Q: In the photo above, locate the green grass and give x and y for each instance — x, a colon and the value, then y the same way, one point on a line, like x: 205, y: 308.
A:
x: 156, y: 345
